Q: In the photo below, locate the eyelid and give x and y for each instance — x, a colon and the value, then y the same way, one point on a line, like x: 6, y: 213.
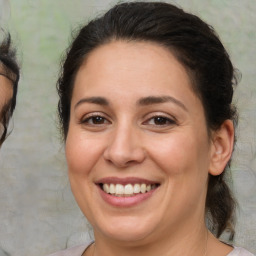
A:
x: 171, y: 119
x: 94, y: 114
x: 160, y: 114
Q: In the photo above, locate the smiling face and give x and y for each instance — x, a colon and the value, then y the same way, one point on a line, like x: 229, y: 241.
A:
x: 136, y: 122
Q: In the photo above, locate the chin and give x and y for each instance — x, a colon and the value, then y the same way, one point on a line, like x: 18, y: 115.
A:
x: 127, y: 230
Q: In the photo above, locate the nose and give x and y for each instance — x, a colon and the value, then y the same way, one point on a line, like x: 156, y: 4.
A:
x: 124, y: 148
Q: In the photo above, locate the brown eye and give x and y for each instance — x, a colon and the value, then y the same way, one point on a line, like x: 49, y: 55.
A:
x: 95, y: 120
x: 160, y: 120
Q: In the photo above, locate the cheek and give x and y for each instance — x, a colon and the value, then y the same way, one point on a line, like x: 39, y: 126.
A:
x: 181, y: 153
x: 81, y: 153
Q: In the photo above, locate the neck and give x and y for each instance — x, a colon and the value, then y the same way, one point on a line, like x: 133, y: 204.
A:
x: 178, y: 244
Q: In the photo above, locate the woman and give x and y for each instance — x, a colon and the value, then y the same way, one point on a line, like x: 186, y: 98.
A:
x: 148, y: 122
x: 9, y: 77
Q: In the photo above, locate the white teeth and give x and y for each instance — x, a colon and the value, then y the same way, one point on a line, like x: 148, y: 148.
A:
x: 112, y: 189
x: 136, y: 188
x: 106, y: 188
x: 128, y: 189
x: 119, y: 189
x: 143, y: 188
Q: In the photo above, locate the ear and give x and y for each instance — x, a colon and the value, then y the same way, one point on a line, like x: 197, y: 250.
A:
x: 222, y: 147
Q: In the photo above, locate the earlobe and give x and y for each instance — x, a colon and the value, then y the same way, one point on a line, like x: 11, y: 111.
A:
x: 222, y: 147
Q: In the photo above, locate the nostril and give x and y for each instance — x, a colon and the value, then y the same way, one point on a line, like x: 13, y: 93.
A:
x: 124, y: 157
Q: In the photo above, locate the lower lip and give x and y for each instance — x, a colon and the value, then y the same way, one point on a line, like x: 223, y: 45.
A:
x: 127, y: 201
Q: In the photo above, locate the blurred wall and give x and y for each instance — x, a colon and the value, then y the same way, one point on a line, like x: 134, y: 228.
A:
x: 37, y: 210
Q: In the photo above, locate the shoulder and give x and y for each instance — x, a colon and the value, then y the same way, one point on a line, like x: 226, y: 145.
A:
x: 73, y: 251
x: 238, y: 251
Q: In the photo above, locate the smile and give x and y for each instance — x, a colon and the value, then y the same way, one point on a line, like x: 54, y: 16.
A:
x: 126, y: 192
x: 120, y: 190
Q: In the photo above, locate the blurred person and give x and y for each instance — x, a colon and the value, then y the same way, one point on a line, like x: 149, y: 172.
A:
x: 9, y: 77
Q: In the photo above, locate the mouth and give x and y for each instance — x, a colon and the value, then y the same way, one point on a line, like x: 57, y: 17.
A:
x: 127, y: 190
x: 131, y: 187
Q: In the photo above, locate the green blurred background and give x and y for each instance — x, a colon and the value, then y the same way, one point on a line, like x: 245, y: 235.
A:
x: 37, y: 210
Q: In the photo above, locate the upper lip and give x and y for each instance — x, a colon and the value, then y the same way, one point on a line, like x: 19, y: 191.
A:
x: 124, y: 181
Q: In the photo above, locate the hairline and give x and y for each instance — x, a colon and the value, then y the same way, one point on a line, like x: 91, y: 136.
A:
x: 171, y: 49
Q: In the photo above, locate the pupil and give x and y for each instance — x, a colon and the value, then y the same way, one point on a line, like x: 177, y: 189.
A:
x: 98, y: 120
x: 160, y: 120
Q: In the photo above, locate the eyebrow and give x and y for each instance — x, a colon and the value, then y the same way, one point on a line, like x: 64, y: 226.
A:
x: 95, y: 100
x: 150, y: 100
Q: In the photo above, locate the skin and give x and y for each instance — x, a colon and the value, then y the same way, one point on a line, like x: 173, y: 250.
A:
x: 127, y: 140
x: 6, y: 92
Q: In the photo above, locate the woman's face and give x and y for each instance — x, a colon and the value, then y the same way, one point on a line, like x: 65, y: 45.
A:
x: 136, y: 122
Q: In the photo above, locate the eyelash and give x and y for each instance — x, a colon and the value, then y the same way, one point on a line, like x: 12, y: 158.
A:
x: 91, y: 120
x: 167, y: 121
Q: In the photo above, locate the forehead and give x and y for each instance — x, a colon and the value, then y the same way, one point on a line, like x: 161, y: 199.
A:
x: 122, y: 64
